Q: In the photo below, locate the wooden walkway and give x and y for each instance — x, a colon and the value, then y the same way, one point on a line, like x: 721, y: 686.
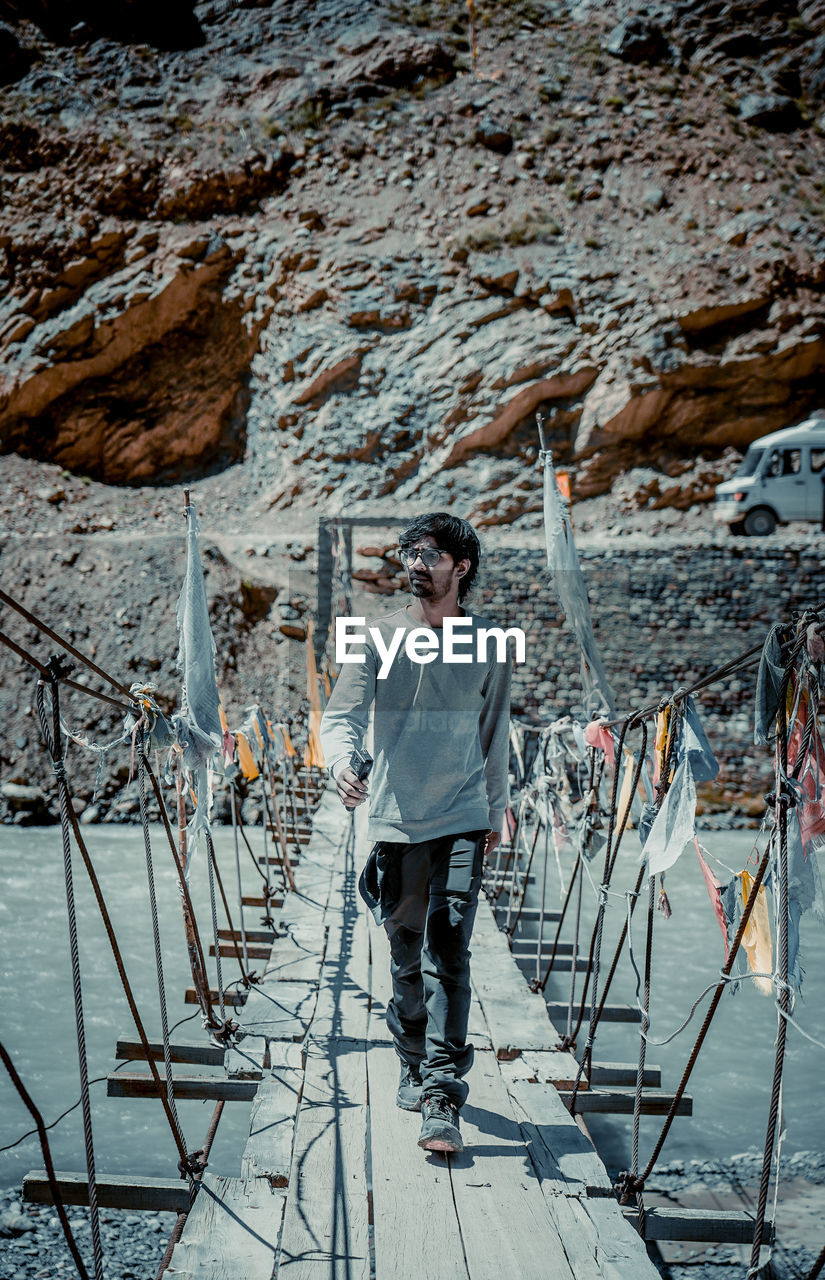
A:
x: 332, y: 1182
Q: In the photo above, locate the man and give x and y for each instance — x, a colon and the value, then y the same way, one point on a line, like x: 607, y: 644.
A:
x: 438, y: 796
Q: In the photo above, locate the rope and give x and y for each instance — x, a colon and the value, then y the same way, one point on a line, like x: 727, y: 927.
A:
x: 781, y: 822
x: 57, y: 1198
x: 818, y: 1265
x: 54, y: 746
x: 640, y: 1070
x: 64, y: 644
x: 637, y: 773
x: 110, y: 933
x: 44, y: 672
x: 592, y: 794
x: 153, y: 906
x: 627, y: 1182
x: 269, y: 833
x: 197, y: 960
x: 209, y: 862
x: 233, y: 802
x: 247, y: 978
x: 610, y: 856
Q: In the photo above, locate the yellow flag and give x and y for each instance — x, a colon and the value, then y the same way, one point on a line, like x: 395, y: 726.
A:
x: 313, y: 752
x: 757, y: 936
x: 245, y: 758
x: 625, y: 793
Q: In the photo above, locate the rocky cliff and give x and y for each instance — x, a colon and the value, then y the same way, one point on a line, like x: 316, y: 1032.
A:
x: 358, y: 247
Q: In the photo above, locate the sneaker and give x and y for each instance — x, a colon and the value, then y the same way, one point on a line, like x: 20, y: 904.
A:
x: 409, y: 1089
x: 440, y: 1131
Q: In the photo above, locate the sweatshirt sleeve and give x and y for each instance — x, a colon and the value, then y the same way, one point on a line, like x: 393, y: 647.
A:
x: 494, y: 729
x: 346, y: 718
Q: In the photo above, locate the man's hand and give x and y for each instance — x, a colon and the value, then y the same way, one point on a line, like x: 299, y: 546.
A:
x: 493, y: 839
x: 351, y: 791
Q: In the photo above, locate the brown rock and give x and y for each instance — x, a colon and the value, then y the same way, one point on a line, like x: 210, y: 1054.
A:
x: 342, y: 376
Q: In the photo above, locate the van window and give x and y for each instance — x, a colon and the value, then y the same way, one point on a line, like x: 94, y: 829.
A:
x: 750, y: 462
x: 784, y: 462
x: 817, y: 459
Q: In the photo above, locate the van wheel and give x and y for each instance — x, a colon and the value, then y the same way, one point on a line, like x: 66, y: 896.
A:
x: 760, y: 522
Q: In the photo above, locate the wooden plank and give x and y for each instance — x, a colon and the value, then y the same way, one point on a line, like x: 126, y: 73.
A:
x: 268, y: 1151
x: 344, y: 990
x: 203, y: 1053
x: 280, y: 1010
x: 248, y: 1059
x: 561, y: 964
x: 543, y: 1067
x: 137, y: 1084
x: 157, y: 1195
x: 598, y: 1242
x: 557, y: 1010
x: 326, y: 1223
x: 249, y: 900
x: 231, y: 1232
x: 561, y: 1154
x: 236, y: 996
x: 253, y: 952
x: 402, y: 1177
x: 252, y: 935
x: 516, y: 1017
x: 528, y: 915
x: 506, y: 1226
x: 618, y: 1102
x: 723, y: 1226
x: 493, y: 882
x: 535, y: 1065
x: 529, y: 946
x: 624, y: 1073
x: 298, y: 956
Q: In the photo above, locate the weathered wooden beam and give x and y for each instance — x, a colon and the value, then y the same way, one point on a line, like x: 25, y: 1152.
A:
x: 251, y: 901
x: 254, y: 951
x: 617, y: 1102
x: 252, y: 935
x: 529, y: 946
x: 624, y: 1073
x: 203, y: 1053
x: 138, y: 1084
x: 237, y: 996
x: 557, y: 1010
x: 561, y: 964
x: 529, y: 914
x: 231, y: 1232
x: 723, y: 1226
x: 113, y: 1191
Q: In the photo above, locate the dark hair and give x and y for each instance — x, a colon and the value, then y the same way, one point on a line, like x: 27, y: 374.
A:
x: 452, y: 534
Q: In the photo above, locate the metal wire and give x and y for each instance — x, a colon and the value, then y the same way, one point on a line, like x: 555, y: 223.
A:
x: 153, y: 906
x: 53, y: 739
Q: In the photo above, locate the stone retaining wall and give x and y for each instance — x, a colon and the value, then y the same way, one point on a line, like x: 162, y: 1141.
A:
x: 661, y: 621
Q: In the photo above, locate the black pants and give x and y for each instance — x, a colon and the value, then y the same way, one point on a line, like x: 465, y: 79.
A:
x: 426, y: 895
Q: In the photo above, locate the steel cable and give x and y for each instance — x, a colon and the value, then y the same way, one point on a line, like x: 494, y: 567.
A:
x: 53, y: 740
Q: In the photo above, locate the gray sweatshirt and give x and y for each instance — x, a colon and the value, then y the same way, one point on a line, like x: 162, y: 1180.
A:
x: 440, y: 733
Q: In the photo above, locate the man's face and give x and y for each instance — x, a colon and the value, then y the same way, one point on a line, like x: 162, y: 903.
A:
x: 436, y: 582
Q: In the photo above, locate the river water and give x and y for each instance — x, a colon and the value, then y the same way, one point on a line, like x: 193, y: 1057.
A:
x: 730, y: 1085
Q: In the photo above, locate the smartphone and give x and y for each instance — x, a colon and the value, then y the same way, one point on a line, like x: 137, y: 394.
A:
x: 361, y: 762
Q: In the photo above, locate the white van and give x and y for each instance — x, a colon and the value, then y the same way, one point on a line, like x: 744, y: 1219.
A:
x: 780, y: 478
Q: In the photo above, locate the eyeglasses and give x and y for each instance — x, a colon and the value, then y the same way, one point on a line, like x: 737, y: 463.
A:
x: 430, y: 556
